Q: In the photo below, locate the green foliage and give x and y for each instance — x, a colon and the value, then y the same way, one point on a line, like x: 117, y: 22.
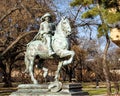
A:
x: 109, y: 3
x: 106, y: 16
x: 102, y: 30
x: 76, y: 2
x: 81, y: 2
x: 91, y: 13
x: 90, y: 87
x: 111, y: 17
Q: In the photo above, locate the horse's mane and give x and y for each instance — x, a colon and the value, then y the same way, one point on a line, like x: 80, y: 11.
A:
x: 58, y: 26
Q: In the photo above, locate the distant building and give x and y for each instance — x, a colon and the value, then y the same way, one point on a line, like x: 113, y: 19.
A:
x: 115, y: 36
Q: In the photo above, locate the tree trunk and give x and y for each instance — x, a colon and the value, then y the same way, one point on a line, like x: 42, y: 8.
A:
x: 105, y: 66
x: 7, y: 76
x: 6, y: 73
x: 70, y: 74
x: 7, y: 80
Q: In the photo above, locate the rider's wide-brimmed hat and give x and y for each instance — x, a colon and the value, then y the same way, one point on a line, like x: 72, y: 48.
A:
x: 46, y: 15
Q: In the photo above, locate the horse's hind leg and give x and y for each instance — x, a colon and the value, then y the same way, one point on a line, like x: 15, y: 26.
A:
x: 31, y: 72
x: 45, y: 73
x: 71, y: 54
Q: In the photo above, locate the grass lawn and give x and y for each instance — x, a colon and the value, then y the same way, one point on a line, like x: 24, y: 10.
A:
x: 92, y: 90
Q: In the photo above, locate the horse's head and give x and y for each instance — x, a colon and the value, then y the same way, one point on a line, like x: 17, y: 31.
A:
x: 65, y: 26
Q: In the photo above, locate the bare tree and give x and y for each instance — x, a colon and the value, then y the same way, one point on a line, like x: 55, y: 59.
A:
x: 19, y: 22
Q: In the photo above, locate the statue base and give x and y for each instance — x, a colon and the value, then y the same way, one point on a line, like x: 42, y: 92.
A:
x: 73, y: 89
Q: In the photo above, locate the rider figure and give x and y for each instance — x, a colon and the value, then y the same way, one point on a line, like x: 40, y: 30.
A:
x: 47, y: 30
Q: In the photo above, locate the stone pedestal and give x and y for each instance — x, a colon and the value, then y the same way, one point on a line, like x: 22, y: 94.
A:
x: 74, y: 89
x: 42, y: 90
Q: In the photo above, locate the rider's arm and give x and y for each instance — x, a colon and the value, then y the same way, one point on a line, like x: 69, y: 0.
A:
x: 40, y: 29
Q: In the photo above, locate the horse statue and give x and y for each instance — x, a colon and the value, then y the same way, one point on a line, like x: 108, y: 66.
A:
x: 60, y: 45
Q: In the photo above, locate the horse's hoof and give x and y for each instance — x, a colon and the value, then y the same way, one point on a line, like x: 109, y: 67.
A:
x: 55, y: 86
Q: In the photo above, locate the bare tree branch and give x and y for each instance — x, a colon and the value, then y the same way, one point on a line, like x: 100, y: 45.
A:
x: 8, y: 13
x: 87, y: 23
x: 78, y: 12
x: 27, y: 10
x: 17, y: 40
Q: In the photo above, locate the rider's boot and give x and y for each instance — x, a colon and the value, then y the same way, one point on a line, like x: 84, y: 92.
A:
x: 50, y: 51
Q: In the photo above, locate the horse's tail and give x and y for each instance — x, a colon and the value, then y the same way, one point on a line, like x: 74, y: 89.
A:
x: 26, y: 63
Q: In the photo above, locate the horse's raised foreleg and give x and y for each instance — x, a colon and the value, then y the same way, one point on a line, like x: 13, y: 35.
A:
x: 64, y: 53
x: 31, y: 72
